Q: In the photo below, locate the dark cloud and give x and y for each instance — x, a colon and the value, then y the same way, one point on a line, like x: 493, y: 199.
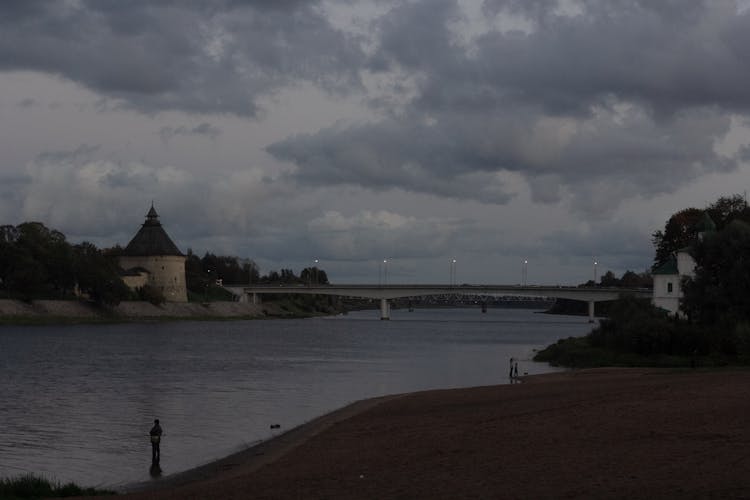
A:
x: 207, y: 57
x: 627, y: 246
x: 82, y: 153
x: 27, y: 103
x: 664, y: 55
x: 205, y: 129
x: 623, y: 98
x: 600, y: 160
x: 393, y: 154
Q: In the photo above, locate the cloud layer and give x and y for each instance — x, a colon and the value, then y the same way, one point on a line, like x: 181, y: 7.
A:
x: 203, y: 57
x: 609, y: 101
x: 357, y: 131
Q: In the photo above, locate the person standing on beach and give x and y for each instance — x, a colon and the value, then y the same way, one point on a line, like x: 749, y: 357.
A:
x: 510, y: 373
x: 515, y: 369
x: 155, y: 433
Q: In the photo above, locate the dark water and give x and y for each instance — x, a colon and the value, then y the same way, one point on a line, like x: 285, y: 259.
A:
x: 76, y: 402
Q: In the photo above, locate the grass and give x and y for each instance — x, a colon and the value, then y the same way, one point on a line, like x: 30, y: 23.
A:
x: 31, y: 486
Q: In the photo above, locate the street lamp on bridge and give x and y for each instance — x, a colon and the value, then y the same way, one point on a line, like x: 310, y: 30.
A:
x: 524, y: 272
x: 453, y: 280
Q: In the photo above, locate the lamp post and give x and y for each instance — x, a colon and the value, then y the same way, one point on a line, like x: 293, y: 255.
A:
x: 453, y: 280
x: 524, y: 272
x: 595, y: 263
x: 315, y: 268
x: 385, y: 272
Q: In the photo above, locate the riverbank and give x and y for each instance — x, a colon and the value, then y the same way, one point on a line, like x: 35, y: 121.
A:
x: 72, y: 311
x: 602, y: 433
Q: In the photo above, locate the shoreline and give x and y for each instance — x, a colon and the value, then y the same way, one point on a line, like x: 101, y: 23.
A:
x: 73, y: 312
x: 607, y: 432
x: 46, y: 312
x: 258, y: 454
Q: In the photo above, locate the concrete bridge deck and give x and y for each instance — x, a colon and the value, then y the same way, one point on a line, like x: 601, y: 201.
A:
x: 384, y: 293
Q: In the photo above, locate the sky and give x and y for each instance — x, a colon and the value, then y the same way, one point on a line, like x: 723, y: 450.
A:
x: 558, y: 132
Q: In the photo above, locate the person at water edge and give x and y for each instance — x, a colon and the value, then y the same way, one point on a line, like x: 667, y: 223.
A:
x: 510, y: 373
x: 515, y: 369
x: 155, y: 433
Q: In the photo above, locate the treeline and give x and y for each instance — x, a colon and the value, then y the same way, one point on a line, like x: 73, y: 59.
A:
x: 629, y: 279
x: 714, y: 324
x: 681, y: 229
x: 204, y: 274
x: 37, y: 262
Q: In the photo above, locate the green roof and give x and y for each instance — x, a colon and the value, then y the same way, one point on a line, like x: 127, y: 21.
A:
x: 669, y: 267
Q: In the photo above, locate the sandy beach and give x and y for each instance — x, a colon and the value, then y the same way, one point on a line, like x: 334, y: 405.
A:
x: 604, y: 433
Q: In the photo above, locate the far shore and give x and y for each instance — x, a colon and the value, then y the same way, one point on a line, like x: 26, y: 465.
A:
x: 52, y: 312
x: 66, y: 312
x: 599, y: 433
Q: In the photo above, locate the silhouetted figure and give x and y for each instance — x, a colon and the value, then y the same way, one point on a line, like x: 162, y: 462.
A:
x: 155, y: 434
x: 510, y: 373
x: 515, y: 369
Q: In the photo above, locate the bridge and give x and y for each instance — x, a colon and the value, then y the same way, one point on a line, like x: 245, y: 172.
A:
x: 388, y: 292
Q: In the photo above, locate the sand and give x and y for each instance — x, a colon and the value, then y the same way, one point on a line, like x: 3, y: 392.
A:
x: 604, y: 433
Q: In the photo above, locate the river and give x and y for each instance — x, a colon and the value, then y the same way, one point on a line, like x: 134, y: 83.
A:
x: 76, y: 402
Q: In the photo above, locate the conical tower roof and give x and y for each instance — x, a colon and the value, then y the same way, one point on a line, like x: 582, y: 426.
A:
x: 151, y: 239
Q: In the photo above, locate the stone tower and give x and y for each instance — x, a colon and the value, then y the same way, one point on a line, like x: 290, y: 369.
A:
x: 152, y: 258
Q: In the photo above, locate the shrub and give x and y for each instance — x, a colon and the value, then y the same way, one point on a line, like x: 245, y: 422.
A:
x: 151, y: 294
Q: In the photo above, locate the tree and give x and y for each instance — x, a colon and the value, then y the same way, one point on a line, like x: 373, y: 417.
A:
x: 609, y: 279
x: 195, y: 279
x: 720, y: 291
x: 35, y: 261
x: 250, y: 268
x: 288, y: 276
x: 728, y: 208
x: 229, y: 269
x: 679, y: 232
x: 313, y: 276
x: 98, y: 276
x: 631, y: 279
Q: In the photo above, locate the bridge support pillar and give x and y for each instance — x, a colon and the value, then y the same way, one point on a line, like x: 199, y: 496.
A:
x: 385, y: 309
x: 255, y: 299
x: 591, y: 311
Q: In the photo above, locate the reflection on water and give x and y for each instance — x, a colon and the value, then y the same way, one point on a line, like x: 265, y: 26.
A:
x: 78, y: 401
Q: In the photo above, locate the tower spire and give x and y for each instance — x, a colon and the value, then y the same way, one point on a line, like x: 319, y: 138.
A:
x: 152, y: 218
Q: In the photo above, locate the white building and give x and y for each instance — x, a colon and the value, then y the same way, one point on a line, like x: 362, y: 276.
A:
x: 668, y: 277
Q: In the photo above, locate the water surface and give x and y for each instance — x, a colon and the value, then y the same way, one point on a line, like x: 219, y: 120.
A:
x: 77, y: 401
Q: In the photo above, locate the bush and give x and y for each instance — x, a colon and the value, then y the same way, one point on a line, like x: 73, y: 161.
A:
x: 151, y: 294
x: 638, y: 334
x: 575, y: 352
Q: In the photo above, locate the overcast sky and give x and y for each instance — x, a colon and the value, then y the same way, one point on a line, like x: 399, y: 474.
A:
x: 356, y: 131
